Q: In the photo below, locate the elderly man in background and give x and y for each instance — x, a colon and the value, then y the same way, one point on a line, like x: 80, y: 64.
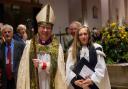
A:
x: 73, y: 28
x: 21, y: 34
x: 68, y: 39
x: 11, y: 51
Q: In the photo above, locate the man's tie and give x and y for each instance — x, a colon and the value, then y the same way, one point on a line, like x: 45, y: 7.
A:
x: 8, y: 64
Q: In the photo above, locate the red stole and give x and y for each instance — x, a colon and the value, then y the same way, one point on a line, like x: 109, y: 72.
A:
x: 8, y: 63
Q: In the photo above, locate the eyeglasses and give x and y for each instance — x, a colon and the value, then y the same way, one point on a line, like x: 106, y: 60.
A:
x: 46, y: 27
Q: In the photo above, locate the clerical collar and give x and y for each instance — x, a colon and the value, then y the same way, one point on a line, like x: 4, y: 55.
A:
x: 45, y: 42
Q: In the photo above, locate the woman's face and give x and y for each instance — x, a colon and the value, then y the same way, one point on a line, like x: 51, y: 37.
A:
x: 83, y: 36
x: 45, y: 32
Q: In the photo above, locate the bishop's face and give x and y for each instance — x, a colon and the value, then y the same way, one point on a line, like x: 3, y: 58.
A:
x: 83, y: 36
x: 45, y: 32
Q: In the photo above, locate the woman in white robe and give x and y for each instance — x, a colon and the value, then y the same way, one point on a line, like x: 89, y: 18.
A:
x: 95, y: 77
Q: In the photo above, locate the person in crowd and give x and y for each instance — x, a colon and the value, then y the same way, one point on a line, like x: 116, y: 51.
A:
x: 11, y: 51
x: 1, y: 40
x: 68, y: 39
x: 73, y: 28
x: 96, y: 35
x: 1, y: 25
x: 21, y: 34
x: 43, y: 68
x: 85, y: 66
x: 1, y: 37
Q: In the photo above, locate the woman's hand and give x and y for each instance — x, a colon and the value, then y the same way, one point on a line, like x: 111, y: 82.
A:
x: 85, y: 87
x: 86, y: 83
x: 79, y: 82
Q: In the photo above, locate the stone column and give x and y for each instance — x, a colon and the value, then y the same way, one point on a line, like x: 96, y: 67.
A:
x: 104, y: 12
x: 121, y: 11
x: 84, y: 11
x: 126, y: 9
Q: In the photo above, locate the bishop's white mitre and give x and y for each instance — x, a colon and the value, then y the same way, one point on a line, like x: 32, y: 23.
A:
x: 46, y: 15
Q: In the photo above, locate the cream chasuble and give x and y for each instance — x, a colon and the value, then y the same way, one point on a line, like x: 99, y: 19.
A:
x: 23, y: 79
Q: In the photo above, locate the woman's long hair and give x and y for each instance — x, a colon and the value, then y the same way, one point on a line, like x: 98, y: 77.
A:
x: 77, y: 44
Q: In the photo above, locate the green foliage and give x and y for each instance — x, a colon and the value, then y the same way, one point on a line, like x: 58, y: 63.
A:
x: 115, y: 43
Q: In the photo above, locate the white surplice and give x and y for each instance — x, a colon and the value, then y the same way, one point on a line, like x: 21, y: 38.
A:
x: 99, y: 77
x: 44, y: 74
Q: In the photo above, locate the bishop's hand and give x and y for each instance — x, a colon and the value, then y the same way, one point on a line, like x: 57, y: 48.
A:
x: 35, y: 62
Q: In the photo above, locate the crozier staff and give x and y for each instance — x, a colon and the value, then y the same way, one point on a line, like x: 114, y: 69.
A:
x: 49, y: 61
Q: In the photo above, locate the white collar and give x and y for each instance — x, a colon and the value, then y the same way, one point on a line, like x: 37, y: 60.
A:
x: 84, y: 52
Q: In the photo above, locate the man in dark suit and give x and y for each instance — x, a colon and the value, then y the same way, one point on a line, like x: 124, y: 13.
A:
x: 11, y: 52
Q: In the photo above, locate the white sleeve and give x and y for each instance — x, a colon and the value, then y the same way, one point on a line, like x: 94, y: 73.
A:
x: 99, y: 70
x: 69, y: 66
